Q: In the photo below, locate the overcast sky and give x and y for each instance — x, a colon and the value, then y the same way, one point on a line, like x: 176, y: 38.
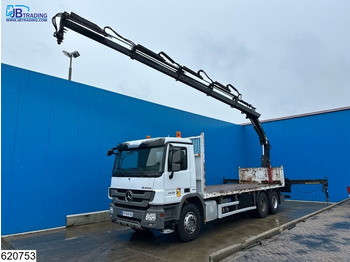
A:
x: 285, y: 57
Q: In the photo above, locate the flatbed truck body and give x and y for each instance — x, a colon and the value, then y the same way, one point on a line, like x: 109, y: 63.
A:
x: 169, y: 192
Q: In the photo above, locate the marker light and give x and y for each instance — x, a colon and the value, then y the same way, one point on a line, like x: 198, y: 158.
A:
x: 148, y: 137
x: 178, y: 133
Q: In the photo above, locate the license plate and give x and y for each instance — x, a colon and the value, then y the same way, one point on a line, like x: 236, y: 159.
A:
x: 127, y: 214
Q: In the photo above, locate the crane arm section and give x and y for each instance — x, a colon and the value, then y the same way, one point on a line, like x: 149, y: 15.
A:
x: 199, y: 80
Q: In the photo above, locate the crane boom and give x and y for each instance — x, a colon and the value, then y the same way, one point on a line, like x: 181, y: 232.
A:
x: 199, y: 80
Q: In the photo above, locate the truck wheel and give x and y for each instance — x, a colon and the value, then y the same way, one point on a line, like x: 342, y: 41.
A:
x: 262, y: 205
x: 189, y: 224
x: 273, y: 202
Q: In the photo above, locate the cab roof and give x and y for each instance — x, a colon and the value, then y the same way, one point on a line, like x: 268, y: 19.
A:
x: 153, y: 142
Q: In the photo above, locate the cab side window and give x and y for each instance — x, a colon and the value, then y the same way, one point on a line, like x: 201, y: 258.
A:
x: 183, y: 163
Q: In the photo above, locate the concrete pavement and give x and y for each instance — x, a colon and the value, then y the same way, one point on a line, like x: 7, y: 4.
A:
x: 110, y: 242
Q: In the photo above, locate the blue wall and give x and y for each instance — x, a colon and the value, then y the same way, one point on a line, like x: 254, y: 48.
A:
x: 309, y: 147
x: 55, y: 135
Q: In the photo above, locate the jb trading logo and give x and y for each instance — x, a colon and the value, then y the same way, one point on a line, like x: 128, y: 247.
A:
x: 20, y: 13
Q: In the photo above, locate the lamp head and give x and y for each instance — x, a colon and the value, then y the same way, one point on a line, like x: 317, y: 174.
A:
x: 74, y: 54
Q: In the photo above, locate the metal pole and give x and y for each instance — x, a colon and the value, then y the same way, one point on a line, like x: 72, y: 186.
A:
x: 70, y: 69
x: 71, y: 55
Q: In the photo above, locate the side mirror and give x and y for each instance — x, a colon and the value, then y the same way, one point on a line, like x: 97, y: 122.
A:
x: 175, y: 164
x: 110, y: 152
x: 176, y: 157
x: 175, y: 167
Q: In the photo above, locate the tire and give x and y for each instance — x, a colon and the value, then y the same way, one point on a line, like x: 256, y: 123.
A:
x: 190, y: 223
x: 274, y: 202
x: 262, y: 205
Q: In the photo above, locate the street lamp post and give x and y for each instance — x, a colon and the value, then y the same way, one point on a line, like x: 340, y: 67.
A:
x: 71, y: 55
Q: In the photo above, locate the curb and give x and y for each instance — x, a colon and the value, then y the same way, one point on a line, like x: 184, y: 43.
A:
x: 256, y: 240
x: 87, y: 218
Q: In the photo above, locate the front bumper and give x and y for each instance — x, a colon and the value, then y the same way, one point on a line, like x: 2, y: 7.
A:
x: 136, y: 219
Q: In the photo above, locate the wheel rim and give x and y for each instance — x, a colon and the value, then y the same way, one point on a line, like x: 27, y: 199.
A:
x: 190, y: 223
x: 263, y: 205
x: 274, y: 201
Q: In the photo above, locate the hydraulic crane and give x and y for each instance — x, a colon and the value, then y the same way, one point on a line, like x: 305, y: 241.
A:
x: 199, y: 80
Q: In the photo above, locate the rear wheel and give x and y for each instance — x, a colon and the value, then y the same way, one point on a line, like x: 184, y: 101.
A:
x: 262, y: 205
x: 189, y: 224
x: 273, y: 202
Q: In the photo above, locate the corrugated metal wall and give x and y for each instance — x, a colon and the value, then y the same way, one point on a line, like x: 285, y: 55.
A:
x: 55, y: 135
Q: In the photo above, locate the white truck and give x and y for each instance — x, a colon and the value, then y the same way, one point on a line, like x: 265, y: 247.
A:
x: 160, y: 184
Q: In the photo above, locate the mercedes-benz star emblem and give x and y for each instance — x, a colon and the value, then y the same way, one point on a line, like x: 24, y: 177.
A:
x: 128, y: 196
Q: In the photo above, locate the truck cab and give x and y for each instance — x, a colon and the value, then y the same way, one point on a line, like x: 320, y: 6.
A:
x: 151, y: 179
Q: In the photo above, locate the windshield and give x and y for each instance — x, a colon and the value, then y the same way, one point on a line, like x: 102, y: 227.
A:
x: 139, y: 162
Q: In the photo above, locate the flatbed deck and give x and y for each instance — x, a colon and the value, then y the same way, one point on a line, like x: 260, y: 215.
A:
x: 229, y: 189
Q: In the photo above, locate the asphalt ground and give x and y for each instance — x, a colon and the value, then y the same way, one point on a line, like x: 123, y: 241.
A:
x: 106, y: 241
x: 323, y: 237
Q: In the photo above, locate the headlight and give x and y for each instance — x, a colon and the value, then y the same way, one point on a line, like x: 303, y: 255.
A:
x: 151, y: 216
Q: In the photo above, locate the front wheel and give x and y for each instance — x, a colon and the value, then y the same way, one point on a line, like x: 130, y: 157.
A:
x: 189, y: 224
